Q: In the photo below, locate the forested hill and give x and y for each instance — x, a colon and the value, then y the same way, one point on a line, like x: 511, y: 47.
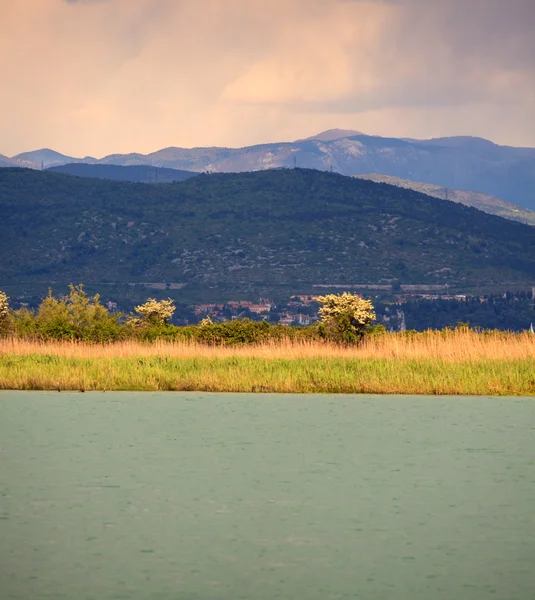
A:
x: 282, y: 227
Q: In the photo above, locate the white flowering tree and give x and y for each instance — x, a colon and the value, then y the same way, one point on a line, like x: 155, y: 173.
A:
x: 4, y: 310
x: 345, y: 316
x: 156, y: 312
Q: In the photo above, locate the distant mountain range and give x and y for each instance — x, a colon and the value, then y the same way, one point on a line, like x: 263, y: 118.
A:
x: 283, y: 229
x: 461, y: 163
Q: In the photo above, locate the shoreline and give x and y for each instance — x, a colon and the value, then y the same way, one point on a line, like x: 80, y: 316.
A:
x: 258, y: 375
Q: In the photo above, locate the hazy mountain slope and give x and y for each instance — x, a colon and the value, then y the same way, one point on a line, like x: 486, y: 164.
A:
x: 139, y: 173
x: 484, y: 202
x: 462, y: 163
x: 478, y: 146
x: 276, y: 228
x: 332, y: 134
x: 46, y: 158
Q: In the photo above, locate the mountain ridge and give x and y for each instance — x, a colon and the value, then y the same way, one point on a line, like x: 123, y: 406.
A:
x: 483, y: 202
x: 332, y: 134
x: 461, y: 162
x: 153, y: 175
x: 138, y: 173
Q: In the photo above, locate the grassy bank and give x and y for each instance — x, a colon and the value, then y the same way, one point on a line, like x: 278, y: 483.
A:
x: 328, y: 375
x: 454, y: 362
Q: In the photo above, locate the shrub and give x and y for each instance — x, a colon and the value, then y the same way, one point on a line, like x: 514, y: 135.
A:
x: 75, y: 316
x: 24, y: 324
x: 345, y: 317
x: 155, y: 312
x: 236, y: 332
x: 375, y: 331
x: 245, y: 331
x: 4, y: 312
x: 4, y: 306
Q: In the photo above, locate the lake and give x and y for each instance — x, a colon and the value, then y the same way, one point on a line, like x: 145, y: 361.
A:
x: 196, y: 496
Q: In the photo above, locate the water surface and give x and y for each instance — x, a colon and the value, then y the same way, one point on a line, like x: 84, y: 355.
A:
x: 262, y: 497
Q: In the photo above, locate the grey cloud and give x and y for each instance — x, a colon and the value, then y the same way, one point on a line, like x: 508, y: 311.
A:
x: 118, y: 75
x: 86, y: 1
x: 457, y: 53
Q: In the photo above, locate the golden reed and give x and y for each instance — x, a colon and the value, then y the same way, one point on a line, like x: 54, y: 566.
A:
x: 449, y: 346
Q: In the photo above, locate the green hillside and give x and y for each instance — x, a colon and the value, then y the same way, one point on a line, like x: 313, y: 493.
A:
x: 283, y: 228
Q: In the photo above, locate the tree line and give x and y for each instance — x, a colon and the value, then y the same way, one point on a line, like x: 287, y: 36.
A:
x: 345, y: 318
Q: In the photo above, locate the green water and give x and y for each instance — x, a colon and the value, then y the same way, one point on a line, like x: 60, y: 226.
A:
x: 260, y: 497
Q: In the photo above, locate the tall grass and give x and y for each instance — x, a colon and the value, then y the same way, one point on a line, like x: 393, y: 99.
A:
x: 435, y: 362
x: 449, y: 345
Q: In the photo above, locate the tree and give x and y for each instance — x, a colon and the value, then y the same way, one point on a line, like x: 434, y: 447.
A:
x: 76, y: 316
x: 4, y: 311
x: 156, y: 313
x: 345, y: 317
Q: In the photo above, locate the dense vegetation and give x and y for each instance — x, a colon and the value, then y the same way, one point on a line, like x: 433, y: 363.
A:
x: 82, y: 318
x: 448, y: 362
x: 277, y: 229
x: 73, y: 342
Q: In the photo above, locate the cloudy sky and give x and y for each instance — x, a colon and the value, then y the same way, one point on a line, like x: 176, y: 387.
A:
x: 92, y: 77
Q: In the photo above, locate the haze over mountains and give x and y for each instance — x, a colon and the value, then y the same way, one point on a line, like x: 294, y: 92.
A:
x: 463, y: 163
x: 133, y: 173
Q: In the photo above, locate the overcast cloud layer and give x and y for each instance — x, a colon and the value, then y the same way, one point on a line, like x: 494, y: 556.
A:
x: 101, y: 76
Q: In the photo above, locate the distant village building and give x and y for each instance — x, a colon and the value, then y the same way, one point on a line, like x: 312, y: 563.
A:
x: 203, y: 308
x: 286, y: 320
x: 259, y: 308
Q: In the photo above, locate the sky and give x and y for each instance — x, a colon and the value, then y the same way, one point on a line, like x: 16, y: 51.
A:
x: 95, y: 77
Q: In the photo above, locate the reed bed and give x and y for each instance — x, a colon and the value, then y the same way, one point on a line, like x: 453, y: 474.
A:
x: 447, y: 362
x: 454, y: 346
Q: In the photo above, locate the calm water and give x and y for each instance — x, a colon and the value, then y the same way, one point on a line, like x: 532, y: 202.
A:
x: 226, y: 497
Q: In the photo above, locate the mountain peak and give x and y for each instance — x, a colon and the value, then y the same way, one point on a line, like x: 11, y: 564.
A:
x: 41, y: 153
x: 331, y: 135
x: 44, y: 157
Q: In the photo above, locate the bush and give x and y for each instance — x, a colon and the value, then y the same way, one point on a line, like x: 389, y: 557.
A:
x: 154, y: 312
x: 236, y: 332
x: 4, y: 313
x: 345, y: 317
x: 24, y: 324
x: 75, y: 316
x: 375, y: 331
x: 229, y: 333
